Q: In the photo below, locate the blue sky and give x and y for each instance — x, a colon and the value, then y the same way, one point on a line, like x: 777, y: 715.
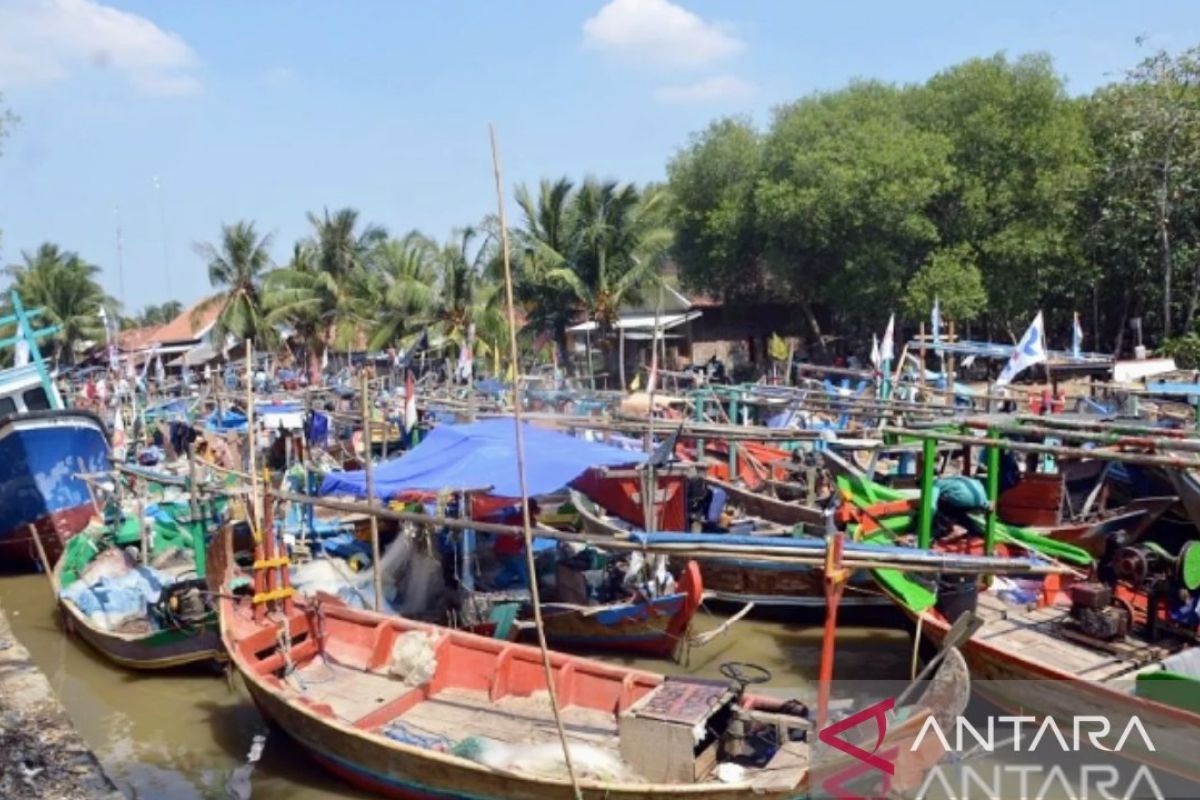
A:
x: 269, y: 109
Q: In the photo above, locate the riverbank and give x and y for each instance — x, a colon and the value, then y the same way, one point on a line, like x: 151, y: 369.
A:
x: 42, y: 756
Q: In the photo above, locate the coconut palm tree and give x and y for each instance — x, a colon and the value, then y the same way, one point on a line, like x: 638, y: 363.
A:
x: 544, y: 244
x: 319, y: 294
x: 619, y: 243
x: 65, y: 286
x: 401, y: 293
x: 466, y: 297
x: 237, y: 266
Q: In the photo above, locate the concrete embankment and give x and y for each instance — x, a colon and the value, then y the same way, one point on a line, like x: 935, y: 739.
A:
x: 42, y: 756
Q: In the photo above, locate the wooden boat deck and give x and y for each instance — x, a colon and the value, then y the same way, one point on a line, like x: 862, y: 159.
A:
x: 353, y: 694
x: 1038, y: 637
x: 350, y: 693
x: 517, y: 720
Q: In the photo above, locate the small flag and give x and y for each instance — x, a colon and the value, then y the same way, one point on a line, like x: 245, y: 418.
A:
x: 410, y: 402
x: 21, y: 353
x: 160, y: 374
x: 874, y: 351
x: 887, y: 350
x: 777, y: 348
x: 935, y: 319
x: 1029, y: 351
x: 636, y: 383
x: 466, y: 355
x: 118, y: 435
x: 1076, y: 337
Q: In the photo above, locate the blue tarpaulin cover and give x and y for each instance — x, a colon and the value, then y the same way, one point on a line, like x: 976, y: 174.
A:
x: 480, y: 455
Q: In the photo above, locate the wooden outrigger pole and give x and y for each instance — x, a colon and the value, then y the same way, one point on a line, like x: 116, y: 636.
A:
x: 526, y: 525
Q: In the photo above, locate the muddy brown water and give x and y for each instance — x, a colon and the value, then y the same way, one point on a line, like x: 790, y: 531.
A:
x: 187, y: 735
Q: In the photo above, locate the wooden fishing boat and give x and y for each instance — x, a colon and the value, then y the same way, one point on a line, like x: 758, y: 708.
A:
x: 178, y: 629
x: 772, y: 509
x: 406, y: 709
x: 1038, y: 659
x: 1041, y: 502
x: 798, y: 585
x: 41, y: 453
x: 652, y: 626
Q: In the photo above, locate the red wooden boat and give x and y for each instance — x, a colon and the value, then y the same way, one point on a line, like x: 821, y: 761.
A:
x: 407, y: 709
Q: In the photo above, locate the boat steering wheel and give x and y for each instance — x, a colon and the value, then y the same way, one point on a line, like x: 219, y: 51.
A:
x: 745, y: 674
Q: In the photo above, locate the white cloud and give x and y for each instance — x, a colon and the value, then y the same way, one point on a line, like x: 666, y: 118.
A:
x: 48, y: 40
x: 658, y: 32
x: 718, y: 88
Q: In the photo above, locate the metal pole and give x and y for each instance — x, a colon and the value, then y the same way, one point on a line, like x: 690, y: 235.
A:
x: 928, y: 459
x: 993, y: 491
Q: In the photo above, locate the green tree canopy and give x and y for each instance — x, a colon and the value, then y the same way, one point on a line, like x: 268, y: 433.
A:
x: 237, y: 265
x: 65, y: 286
x: 950, y: 276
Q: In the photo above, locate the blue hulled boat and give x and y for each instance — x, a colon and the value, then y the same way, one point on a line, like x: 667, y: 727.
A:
x: 43, y: 447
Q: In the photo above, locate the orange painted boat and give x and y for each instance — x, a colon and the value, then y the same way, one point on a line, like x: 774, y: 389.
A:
x: 405, y: 709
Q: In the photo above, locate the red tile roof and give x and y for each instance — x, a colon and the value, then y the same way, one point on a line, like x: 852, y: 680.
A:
x: 181, y: 329
x: 137, y: 338
x: 184, y: 328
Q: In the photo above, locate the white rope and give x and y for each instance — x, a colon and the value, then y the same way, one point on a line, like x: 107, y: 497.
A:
x: 701, y: 639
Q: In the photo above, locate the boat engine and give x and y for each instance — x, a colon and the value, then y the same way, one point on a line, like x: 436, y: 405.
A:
x: 183, y: 603
x: 1166, y: 580
x: 1093, y: 611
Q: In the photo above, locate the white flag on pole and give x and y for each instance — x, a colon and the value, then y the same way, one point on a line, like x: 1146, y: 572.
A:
x: 887, y: 350
x: 1076, y: 337
x: 1029, y: 351
x: 875, y: 351
x: 935, y: 319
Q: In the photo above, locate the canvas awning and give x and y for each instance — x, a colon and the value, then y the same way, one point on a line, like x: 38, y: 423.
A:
x: 640, y: 321
x: 483, y: 454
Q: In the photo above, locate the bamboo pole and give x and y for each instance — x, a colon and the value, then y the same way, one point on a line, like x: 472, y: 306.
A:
x: 921, y: 371
x: 758, y: 553
x: 45, y: 560
x: 949, y: 368
x: 1054, y: 450
x: 621, y: 359
x: 198, y: 531
x: 368, y: 468
x: 255, y: 510
x: 520, y: 442
x: 91, y: 492
x: 1114, y: 438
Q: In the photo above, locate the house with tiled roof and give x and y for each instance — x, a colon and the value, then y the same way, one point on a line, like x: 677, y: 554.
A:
x: 188, y: 331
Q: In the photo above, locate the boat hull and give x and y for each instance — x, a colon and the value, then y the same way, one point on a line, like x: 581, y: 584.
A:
x: 1020, y: 685
x: 165, y: 649
x: 168, y: 648
x: 40, y: 455
x: 395, y: 772
x: 653, y: 627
